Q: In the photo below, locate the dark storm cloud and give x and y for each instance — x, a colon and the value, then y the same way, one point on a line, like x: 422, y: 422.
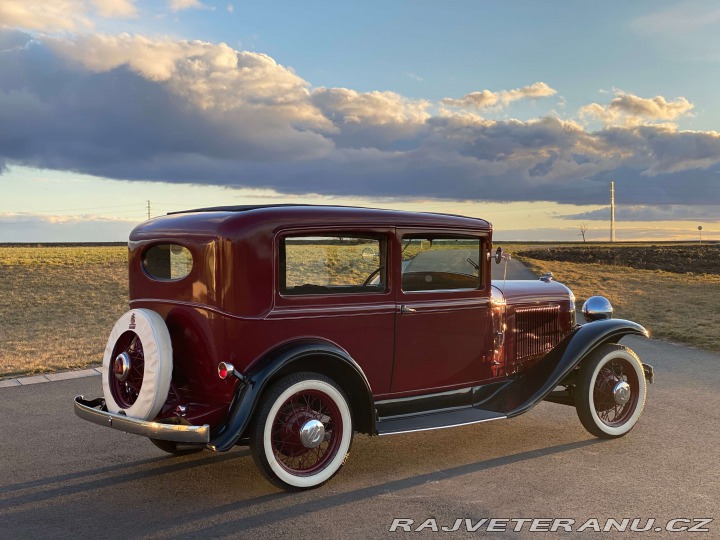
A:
x: 132, y: 108
x: 671, y: 212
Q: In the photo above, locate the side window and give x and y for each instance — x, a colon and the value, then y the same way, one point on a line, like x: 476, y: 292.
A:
x: 167, y: 262
x: 438, y: 263
x: 342, y: 264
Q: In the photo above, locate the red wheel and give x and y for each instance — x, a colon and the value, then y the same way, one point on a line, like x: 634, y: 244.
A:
x: 610, y: 394
x: 303, y: 431
x: 137, y: 366
x: 128, y: 368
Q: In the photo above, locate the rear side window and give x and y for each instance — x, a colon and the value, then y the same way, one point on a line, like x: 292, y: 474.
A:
x: 342, y: 264
x: 167, y: 262
x: 435, y: 263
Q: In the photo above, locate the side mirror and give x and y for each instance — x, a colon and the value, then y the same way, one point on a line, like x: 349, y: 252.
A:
x: 498, y: 255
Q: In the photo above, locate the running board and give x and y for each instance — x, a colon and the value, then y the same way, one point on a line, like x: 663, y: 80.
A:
x: 436, y: 420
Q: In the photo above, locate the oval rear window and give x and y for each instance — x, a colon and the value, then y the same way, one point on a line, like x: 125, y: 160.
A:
x: 167, y: 261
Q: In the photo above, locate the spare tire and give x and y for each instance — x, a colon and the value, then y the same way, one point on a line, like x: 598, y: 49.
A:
x: 137, y: 365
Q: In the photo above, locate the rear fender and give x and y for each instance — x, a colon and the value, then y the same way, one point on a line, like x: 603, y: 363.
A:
x: 533, y: 386
x: 304, y: 355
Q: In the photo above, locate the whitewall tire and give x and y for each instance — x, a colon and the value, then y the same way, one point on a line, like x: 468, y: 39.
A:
x: 137, y: 365
x: 611, y: 390
x: 302, y: 432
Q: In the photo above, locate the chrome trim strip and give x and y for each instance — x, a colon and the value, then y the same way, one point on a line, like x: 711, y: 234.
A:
x: 194, y: 305
x: 94, y: 411
x: 442, y: 427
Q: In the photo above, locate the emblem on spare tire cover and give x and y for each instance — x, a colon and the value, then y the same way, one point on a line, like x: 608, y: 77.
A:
x: 132, y: 322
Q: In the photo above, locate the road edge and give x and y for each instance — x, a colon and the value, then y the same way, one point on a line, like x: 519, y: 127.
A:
x: 49, y: 377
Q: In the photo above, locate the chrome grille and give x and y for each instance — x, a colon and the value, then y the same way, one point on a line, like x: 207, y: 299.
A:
x: 537, y: 330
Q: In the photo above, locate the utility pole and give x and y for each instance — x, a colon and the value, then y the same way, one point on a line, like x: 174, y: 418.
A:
x: 148, y: 209
x: 612, y: 211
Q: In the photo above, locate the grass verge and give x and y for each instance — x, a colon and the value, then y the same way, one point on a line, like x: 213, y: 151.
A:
x: 679, y: 307
x: 58, y: 306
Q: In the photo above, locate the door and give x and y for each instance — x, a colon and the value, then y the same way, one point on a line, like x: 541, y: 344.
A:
x: 443, y: 330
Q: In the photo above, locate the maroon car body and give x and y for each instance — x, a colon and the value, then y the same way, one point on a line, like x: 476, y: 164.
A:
x: 423, y: 341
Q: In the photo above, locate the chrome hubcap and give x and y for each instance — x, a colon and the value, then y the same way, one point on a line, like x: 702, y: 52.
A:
x: 621, y: 393
x: 312, y: 433
x: 121, y: 366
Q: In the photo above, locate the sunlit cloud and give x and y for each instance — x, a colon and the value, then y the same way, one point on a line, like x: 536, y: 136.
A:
x: 180, y: 5
x: 61, y: 15
x: 486, y: 99
x: 630, y: 110
x: 130, y: 107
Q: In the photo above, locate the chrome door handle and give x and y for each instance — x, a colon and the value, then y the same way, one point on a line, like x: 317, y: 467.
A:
x: 405, y: 309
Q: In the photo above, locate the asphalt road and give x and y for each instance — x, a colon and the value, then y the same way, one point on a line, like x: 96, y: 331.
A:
x: 62, y: 477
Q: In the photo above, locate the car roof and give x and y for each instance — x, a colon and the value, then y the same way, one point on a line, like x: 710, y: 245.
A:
x: 309, y: 210
x: 235, y: 221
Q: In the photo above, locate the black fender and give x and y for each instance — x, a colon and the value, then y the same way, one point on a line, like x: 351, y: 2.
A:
x: 530, y: 388
x: 302, y: 355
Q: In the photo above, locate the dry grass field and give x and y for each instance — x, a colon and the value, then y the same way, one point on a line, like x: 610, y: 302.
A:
x: 60, y: 303
x: 679, y: 307
x: 58, y: 306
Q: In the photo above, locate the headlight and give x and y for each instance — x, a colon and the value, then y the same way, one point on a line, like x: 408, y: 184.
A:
x: 597, y: 308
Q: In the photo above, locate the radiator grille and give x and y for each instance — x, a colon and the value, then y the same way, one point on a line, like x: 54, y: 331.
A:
x: 537, y: 330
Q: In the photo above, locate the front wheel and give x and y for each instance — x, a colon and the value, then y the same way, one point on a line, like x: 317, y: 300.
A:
x: 610, y: 395
x: 302, y: 432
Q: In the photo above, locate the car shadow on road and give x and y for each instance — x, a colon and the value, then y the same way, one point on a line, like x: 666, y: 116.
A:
x: 212, y: 520
x: 306, y: 507
x: 167, y: 465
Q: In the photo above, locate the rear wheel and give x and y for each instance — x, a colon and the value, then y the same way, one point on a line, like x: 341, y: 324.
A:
x: 611, y: 390
x: 302, y: 432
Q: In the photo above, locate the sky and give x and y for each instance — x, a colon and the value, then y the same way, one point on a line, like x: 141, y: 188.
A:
x: 519, y: 112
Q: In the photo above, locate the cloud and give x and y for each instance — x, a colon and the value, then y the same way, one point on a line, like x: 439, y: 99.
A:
x: 60, y: 15
x: 680, y: 19
x: 115, y: 8
x: 133, y: 108
x: 369, y: 118
x: 27, y: 227
x: 630, y: 110
x: 698, y: 213
x: 179, y: 5
x: 487, y: 99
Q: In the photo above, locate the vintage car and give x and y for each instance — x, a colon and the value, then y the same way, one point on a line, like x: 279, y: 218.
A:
x: 289, y: 328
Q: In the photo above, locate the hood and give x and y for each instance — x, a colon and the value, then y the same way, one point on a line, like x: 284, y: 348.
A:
x: 529, y: 291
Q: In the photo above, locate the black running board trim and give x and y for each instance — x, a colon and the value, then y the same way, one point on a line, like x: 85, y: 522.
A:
x: 436, y: 420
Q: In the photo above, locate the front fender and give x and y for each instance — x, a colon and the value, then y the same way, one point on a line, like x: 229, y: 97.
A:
x: 267, y: 369
x: 533, y: 386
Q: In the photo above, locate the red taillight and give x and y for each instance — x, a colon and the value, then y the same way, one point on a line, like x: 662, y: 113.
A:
x: 225, y: 369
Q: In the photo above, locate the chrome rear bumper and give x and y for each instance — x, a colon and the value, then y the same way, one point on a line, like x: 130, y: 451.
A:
x: 95, y: 411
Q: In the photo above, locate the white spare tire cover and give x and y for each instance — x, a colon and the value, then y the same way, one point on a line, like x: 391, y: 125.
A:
x: 149, y: 327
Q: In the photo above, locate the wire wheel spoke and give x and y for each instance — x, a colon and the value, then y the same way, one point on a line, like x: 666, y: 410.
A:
x: 125, y: 392
x: 288, y: 447
x: 607, y: 408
